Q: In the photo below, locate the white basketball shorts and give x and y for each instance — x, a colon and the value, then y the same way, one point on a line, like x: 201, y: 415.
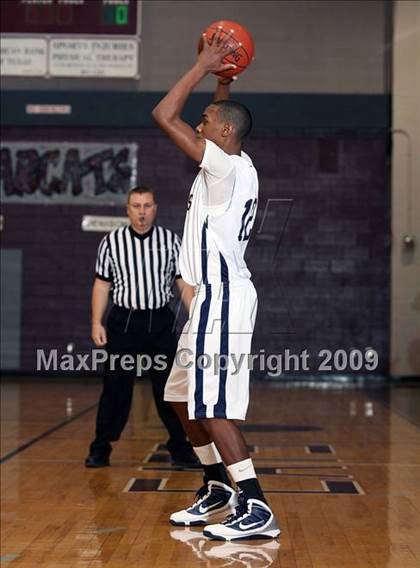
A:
x: 211, y: 368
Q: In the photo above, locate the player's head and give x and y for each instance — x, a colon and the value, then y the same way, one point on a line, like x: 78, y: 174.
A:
x: 141, y: 208
x: 225, y: 121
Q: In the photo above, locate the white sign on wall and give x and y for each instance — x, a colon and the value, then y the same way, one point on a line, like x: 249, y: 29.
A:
x: 102, y: 223
x: 70, y: 57
x: 23, y: 56
x: 77, y: 57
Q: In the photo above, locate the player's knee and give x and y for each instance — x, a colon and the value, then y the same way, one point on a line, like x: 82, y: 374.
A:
x: 213, y: 425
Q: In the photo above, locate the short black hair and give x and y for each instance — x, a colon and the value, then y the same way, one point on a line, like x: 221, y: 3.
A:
x: 141, y: 189
x: 237, y: 114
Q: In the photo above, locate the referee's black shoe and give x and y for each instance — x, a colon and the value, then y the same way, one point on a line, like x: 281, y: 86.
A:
x: 183, y: 456
x: 97, y: 461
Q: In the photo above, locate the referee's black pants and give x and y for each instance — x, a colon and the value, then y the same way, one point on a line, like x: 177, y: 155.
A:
x: 148, y: 332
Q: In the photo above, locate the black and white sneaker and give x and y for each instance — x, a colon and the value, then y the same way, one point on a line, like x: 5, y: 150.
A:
x: 210, y: 500
x: 252, y: 519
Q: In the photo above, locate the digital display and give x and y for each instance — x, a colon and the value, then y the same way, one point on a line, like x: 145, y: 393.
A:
x: 89, y: 17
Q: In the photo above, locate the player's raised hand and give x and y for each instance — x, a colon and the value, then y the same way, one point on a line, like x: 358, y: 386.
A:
x: 223, y: 88
x: 213, y: 52
x: 226, y: 80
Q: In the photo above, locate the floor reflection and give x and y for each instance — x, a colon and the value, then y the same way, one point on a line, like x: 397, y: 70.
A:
x: 249, y: 554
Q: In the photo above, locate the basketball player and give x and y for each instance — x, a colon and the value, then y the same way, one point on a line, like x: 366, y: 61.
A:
x: 220, y: 214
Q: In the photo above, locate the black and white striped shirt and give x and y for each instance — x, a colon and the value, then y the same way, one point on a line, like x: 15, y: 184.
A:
x: 142, y: 268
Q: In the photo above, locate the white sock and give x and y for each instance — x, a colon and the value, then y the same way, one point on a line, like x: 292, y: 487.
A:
x: 242, y: 470
x: 208, y: 455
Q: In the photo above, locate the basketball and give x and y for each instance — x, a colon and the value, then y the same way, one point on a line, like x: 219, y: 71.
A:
x: 243, y: 55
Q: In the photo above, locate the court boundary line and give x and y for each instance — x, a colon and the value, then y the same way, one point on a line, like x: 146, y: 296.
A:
x: 33, y: 441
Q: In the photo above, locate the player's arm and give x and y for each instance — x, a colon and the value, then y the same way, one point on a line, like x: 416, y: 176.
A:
x: 223, y: 89
x: 168, y: 112
x: 186, y: 292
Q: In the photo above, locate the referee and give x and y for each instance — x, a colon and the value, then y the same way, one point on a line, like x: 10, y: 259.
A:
x: 138, y: 265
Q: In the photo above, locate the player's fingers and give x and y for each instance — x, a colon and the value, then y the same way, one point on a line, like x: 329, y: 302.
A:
x: 227, y: 80
x: 227, y: 67
x: 218, y: 35
x: 232, y: 48
x: 229, y: 41
x: 207, y: 41
x: 223, y: 40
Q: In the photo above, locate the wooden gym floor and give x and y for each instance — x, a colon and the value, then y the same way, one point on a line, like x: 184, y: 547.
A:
x: 341, y: 469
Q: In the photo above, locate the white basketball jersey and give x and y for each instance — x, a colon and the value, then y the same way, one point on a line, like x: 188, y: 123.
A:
x: 220, y: 215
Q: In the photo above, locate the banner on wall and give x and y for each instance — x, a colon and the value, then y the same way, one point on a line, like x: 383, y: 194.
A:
x: 67, y: 172
x: 73, y: 57
x: 69, y: 57
x: 23, y: 56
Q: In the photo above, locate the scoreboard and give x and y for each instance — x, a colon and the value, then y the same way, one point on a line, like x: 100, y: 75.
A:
x: 89, y: 17
x: 70, y: 38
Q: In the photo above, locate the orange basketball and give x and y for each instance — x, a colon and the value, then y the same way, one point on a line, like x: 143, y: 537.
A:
x: 243, y: 55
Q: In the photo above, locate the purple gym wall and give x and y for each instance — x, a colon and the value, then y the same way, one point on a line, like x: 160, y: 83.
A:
x: 320, y: 262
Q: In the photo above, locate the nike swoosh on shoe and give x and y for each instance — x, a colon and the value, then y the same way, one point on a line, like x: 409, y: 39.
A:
x: 204, y: 510
x: 251, y: 525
